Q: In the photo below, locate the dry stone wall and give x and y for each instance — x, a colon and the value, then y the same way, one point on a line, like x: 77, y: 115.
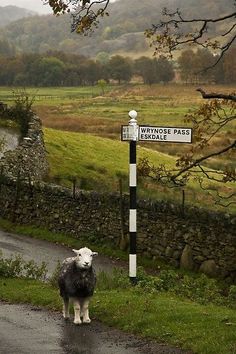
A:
x: 29, y: 159
x: 198, y: 240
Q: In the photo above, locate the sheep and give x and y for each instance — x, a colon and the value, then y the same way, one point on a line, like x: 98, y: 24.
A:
x: 77, y: 280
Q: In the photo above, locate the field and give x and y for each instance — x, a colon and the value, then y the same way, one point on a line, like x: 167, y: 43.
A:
x: 95, y: 156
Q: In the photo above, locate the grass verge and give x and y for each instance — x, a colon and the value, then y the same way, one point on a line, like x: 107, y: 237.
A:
x: 205, y: 329
x: 108, y: 161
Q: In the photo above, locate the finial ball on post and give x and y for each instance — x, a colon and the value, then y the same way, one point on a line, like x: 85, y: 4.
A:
x: 133, y: 114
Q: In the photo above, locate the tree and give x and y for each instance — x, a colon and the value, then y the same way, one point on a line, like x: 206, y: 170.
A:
x: 213, y: 117
x: 9, y: 68
x: 175, y: 31
x: 153, y: 70
x: 164, y: 70
x: 47, y: 71
x: 103, y: 58
x: 120, y: 68
x: 144, y: 67
x: 192, y: 64
x: 229, y: 65
x: 6, y: 49
x: 90, y: 72
x: 185, y: 62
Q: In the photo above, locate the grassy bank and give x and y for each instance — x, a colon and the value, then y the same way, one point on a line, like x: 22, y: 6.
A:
x: 97, y: 161
x: 95, y: 115
x: 205, y: 329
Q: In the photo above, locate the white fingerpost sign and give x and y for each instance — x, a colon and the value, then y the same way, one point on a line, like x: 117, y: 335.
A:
x: 165, y: 134
x: 133, y: 133
x: 157, y: 134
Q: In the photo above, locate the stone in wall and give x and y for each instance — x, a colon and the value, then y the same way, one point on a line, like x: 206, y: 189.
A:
x: 186, y: 260
x: 209, y: 268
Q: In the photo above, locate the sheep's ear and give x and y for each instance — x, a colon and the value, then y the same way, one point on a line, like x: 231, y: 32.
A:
x: 95, y: 254
x: 76, y: 251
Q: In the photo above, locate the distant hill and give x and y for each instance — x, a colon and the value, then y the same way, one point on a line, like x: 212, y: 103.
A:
x: 121, y: 32
x: 10, y: 14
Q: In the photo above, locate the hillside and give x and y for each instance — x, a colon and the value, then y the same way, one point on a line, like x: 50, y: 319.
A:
x: 121, y: 32
x: 10, y: 14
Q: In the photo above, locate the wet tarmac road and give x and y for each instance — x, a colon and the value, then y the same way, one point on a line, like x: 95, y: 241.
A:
x: 43, y: 251
x: 28, y: 330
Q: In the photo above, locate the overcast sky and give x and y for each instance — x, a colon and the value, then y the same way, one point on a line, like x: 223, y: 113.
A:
x: 34, y: 5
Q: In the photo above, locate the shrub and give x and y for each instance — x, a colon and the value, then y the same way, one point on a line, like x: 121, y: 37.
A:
x: 166, y: 280
x: 117, y: 279
x: 198, y: 288
x: 201, y: 289
x: 54, y: 277
x: 232, y: 294
x: 21, y: 111
x: 15, y: 267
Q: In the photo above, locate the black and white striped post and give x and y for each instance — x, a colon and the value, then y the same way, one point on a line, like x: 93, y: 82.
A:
x: 133, y: 133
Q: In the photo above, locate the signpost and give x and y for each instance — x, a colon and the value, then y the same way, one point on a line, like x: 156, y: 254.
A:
x: 133, y: 133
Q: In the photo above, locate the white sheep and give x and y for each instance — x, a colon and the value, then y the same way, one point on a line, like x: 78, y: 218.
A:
x: 77, y: 280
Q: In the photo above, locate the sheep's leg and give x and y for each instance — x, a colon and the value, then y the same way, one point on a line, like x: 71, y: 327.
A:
x: 77, y: 311
x: 66, y: 313
x: 85, y: 310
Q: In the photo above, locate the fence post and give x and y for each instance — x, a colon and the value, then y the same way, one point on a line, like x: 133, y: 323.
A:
x: 16, y: 196
x: 1, y: 177
x: 73, y: 186
x: 183, y: 202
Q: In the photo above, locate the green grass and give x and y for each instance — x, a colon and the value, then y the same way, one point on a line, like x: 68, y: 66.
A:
x: 29, y: 291
x: 98, y: 162
x: 205, y: 329
x: 168, y: 319
x: 52, y: 94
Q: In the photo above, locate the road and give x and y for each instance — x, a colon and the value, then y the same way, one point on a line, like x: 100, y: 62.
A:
x: 43, y: 251
x: 25, y: 329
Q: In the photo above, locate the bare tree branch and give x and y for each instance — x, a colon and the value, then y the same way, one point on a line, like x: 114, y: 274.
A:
x: 216, y: 95
x: 85, y: 13
x: 85, y: 17
x: 219, y: 199
x: 169, y: 35
x: 203, y: 158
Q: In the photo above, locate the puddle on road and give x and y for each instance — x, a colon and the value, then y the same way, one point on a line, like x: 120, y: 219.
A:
x: 47, y: 332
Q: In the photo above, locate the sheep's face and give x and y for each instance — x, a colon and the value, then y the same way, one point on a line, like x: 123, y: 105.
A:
x: 84, y: 257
